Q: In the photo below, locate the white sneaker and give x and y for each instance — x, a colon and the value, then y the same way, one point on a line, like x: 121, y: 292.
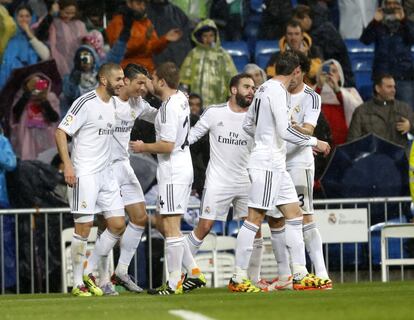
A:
x: 281, y: 284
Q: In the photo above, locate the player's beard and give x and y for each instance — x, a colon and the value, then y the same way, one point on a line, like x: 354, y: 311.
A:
x: 242, y: 101
x: 112, y: 90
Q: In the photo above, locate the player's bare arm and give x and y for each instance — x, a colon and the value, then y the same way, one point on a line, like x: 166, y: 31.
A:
x: 158, y: 147
x: 305, y: 128
x: 62, y: 145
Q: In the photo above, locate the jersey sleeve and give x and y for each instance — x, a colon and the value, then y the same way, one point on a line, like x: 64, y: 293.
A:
x: 278, y: 105
x: 149, y: 113
x: 249, y: 124
x: 200, y: 129
x: 312, y: 109
x: 76, y: 117
x: 169, y: 123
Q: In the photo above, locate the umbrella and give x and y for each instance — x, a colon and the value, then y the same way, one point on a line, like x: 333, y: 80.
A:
x: 367, y: 167
x: 145, y: 168
x: 17, y: 77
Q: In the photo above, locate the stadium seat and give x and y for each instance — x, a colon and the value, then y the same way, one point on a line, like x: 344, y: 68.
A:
x: 226, y: 260
x: 219, y: 228
x: 269, y: 266
x: 66, y: 259
x: 405, y: 230
x: 256, y: 5
x: 412, y: 52
x: 206, y: 259
x: 264, y: 50
x: 358, y: 51
x: 363, y: 77
x: 239, y: 51
x: 233, y: 227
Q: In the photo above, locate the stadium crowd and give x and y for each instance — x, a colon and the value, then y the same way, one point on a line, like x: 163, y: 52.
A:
x: 51, y: 54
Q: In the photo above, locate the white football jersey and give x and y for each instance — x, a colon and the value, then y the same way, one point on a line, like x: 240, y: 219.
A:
x: 125, y: 114
x: 172, y: 124
x: 267, y: 121
x: 91, y: 122
x: 230, y: 145
x: 305, y: 108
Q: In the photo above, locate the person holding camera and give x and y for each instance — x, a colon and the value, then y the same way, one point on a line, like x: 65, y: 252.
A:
x: 393, y: 35
x: 34, y: 118
x: 338, y: 102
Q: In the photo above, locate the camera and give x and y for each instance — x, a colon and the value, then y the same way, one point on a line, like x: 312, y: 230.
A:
x: 326, y: 68
x: 86, y: 58
x: 40, y: 86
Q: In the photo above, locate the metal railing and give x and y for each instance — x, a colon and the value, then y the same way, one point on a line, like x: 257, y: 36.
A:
x: 44, y: 219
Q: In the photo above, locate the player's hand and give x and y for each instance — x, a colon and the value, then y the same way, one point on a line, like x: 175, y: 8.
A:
x: 322, y: 147
x: 403, y: 125
x: 137, y: 146
x: 174, y: 35
x: 69, y: 174
x: 379, y: 15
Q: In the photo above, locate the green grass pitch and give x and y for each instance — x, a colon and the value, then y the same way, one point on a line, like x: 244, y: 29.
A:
x: 347, y: 301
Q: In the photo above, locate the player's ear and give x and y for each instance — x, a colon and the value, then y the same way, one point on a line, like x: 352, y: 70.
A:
x: 233, y: 90
x: 127, y: 81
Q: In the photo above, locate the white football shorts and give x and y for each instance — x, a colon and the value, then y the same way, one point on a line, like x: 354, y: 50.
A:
x: 216, y: 201
x: 96, y: 193
x: 173, y: 198
x: 131, y: 190
x: 270, y: 188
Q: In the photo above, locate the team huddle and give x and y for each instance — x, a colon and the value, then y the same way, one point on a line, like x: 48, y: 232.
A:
x: 261, y: 162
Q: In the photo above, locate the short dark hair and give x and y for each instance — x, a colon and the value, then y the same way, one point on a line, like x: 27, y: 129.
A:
x: 377, y: 80
x: 293, y: 24
x: 132, y: 70
x: 195, y: 96
x: 301, y: 11
x: 170, y: 73
x: 234, y: 82
x: 107, y: 68
x: 67, y: 3
x: 287, y: 62
x: 304, y: 61
x: 24, y: 6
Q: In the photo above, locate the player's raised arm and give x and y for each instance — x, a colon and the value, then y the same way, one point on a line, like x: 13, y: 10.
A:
x: 200, y: 129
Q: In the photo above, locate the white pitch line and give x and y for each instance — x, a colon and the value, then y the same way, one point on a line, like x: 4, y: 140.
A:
x: 189, y: 315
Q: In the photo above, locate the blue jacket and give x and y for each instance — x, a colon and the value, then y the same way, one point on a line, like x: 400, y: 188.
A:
x: 7, y: 163
x: 18, y: 53
x: 392, y: 50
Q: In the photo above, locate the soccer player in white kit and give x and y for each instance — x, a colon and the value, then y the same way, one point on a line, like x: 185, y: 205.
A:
x: 304, y: 113
x: 227, y: 179
x: 174, y: 173
x: 129, y: 105
x: 267, y: 120
x: 92, y: 189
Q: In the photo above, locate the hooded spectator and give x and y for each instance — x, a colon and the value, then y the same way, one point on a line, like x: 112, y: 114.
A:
x: 24, y: 48
x: 35, y: 116
x: 208, y: 68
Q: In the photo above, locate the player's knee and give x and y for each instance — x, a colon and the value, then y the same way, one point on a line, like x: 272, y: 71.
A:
x: 83, y: 229
x: 116, y: 226
x: 275, y: 223
x: 307, y: 218
x: 139, y: 220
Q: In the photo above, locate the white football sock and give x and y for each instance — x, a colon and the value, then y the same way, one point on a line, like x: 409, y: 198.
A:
x: 103, y: 246
x: 295, y: 244
x: 103, y: 266
x: 188, y: 261
x: 255, y: 263
x: 313, y: 243
x: 78, y: 252
x: 244, y: 248
x: 174, y: 255
x: 278, y: 236
x: 129, y: 244
x: 193, y: 243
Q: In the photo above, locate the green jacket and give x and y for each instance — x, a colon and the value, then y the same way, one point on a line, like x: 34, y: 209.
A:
x: 208, y: 70
x: 380, y: 117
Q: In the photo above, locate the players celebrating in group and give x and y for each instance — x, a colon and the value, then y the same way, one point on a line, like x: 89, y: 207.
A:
x: 250, y: 137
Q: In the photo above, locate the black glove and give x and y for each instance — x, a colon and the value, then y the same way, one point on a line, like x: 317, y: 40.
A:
x: 48, y: 112
x: 128, y: 19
